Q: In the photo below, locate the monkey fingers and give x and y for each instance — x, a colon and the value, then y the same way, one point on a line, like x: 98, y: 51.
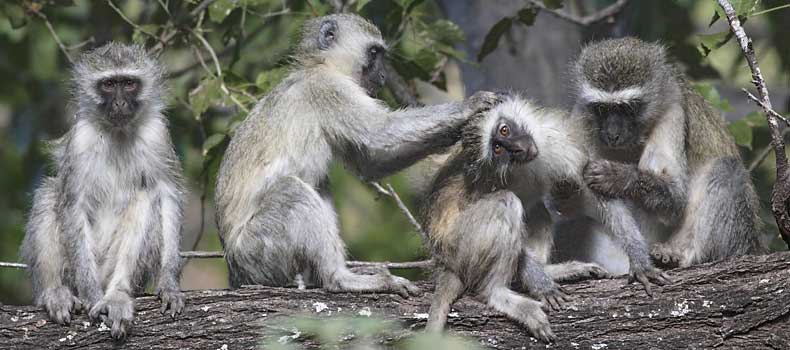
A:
x: 116, y: 310
x: 610, y: 179
x: 556, y: 299
x: 664, y: 256
x: 403, y: 287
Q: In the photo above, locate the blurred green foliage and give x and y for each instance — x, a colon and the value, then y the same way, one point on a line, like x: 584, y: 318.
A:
x: 224, y: 57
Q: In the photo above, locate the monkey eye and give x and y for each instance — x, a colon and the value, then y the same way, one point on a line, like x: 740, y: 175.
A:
x: 130, y: 85
x: 498, y: 149
x: 504, y: 130
x: 108, y: 85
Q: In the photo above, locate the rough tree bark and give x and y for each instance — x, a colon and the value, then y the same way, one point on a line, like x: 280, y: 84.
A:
x: 743, y: 303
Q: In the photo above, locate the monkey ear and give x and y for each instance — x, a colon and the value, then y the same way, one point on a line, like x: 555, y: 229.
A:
x: 327, y: 34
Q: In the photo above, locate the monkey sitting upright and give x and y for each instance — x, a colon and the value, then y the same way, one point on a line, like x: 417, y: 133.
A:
x: 110, y: 218
x: 665, y: 149
x: 274, y: 209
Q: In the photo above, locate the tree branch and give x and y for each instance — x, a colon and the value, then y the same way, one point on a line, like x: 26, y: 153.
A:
x: 598, y: 16
x: 781, y: 189
x: 35, y: 10
x: 743, y: 303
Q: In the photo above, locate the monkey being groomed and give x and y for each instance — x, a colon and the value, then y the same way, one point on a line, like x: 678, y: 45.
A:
x: 109, y: 220
x: 482, y: 214
x: 274, y: 209
x: 667, y: 151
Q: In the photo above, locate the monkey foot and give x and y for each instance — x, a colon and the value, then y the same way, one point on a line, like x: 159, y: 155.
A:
x: 60, y: 303
x: 648, y: 276
x: 116, y: 310
x: 665, y: 256
x: 556, y: 299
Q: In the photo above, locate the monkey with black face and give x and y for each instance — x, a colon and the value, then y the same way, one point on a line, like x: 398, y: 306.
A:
x: 666, y: 150
x: 274, y: 209
x: 481, y: 219
x: 109, y: 220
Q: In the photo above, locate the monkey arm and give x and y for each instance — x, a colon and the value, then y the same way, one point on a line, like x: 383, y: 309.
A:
x: 385, y: 142
x: 656, y: 193
x: 171, y: 212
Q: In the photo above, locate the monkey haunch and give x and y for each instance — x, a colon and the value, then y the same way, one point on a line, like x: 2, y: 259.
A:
x: 668, y: 152
x: 274, y: 209
x: 110, y: 218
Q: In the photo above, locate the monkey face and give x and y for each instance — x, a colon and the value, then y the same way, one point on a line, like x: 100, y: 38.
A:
x: 512, y: 144
x: 618, y: 124
x: 119, y: 98
x: 373, y: 77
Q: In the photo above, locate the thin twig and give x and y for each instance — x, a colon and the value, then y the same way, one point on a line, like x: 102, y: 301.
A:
x: 767, y: 109
x: 12, y: 265
x: 763, y: 154
x: 390, y: 192
x: 781, y: 188
x: 214, y: 57
x: 598, y: 16
x: 54, y: 35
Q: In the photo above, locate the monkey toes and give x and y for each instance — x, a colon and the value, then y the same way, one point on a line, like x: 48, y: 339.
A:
x: 665, y: 256
x: 538, y: 324
x: 648, y: 276
x: 556, y: 299
x: 60, y: 304
x: 116, y: 310
x: 173, y: 301
x: 403, y: 287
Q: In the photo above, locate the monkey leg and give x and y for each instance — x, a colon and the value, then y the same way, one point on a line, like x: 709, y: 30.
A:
x: 576, y: 271
x: 522, y: 309
x: 721, y: 220
x: 129, y: 258
x: 295, y: 231
x: 43, y: 251
x: 448, y: 288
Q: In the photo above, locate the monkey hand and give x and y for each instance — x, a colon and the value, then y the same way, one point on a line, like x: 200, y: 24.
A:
x: 172, y: 301
x: 538, y: 324
x: 116, y: 310
x: 647, y: 275
x: 610, y: 179
x: 481, y: 102
x: 564, y: 198
x: 60, y: 303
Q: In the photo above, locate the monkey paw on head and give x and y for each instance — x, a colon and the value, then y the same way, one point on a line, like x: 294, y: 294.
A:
x: 482, y: 101
x: 610, y: 179
x: 116, y: 310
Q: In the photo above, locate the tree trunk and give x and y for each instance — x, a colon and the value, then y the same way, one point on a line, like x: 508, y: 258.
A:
x: 742, y: 303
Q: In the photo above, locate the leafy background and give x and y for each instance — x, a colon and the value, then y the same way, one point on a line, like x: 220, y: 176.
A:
x: 225, y: 56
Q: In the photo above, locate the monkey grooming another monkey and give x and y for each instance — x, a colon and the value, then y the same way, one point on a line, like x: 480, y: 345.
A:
x: 109, y: 220
x: 274, y: 208
x: 666, y: 150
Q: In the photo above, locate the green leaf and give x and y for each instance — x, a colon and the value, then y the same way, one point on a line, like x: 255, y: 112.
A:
x: 205, y: 95
x: 266, y: 80
x: 756, y: 120
x: 491, y: 40
x: 710, y: 42
x: 144, y: 32
x: 446, y: 32
x: 553, y: 4
x: 15, y: 14
x: 527, y: 15
x: 710, y: 94
x: 213, y: 141
x: 742, y: 132
x: 220, y: 9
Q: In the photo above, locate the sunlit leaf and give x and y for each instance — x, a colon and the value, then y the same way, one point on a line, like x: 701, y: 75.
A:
x: 212, y: 141
x: 446, y: 31
x: 220, y: 9
x: 266, y: 80
x: 491, y: 40
x: 710, y: 42
x: 206, y: 94
x: 742, y: 132
x: 710, y: 94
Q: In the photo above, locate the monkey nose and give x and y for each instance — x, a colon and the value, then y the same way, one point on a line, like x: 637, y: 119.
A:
x: 525, y: 152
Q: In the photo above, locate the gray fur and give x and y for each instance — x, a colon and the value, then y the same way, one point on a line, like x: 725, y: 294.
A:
x: 274, y: 211
x: 682, y: 172
x: 109, y: 220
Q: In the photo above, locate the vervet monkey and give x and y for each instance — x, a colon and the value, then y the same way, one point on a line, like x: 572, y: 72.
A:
x: 664, y: 149
x: 274, y: 208
x: 109, y: 220
x: 481, y: 217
